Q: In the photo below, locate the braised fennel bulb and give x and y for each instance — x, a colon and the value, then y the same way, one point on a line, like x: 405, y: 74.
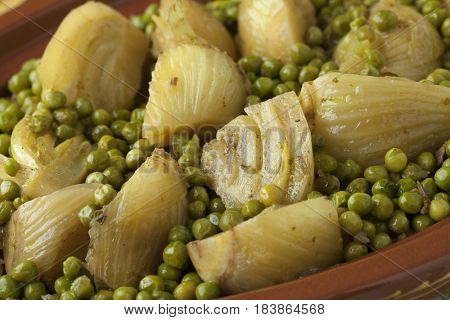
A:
x: 126, y: 243
x: 192, y: 86
x: 361, y: 117
x: 411, y: 49
x: 44, y: 166
x: 47, y: 230
x: 96, y: 54
x: 278, y: 245
x: 269, y: 28
x: 269, y: 145
x: 189, y: 22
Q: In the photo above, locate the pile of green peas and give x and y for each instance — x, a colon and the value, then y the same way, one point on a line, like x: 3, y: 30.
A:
x: 226, y: 11
x: 10, y: 199
x: 145, y: 20
x: 383, y: 203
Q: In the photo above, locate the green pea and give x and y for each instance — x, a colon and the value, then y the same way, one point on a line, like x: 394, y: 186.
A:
x: 8, y: 121
x: 65, y: 116
x: 251, y: 76
x: 121, y: 114
x: 316, y: 62
x: 263, y: 87
x: 354, y: 250
x: 439, y: 209
x: 252, y: 100
x: 197, y: 209
x: 383, y: 207
x: 369, y: 229
x: 65, y: 132
x: 327, y: 184
x: 381, y: 240
x: 251, y: 63
x: 405, y: 185
x: 151, y: 283
x: 101, y: 116
x: 369, y: 70
x: 137, y: 115
x: 289, y: 72
x: 53, y: 99
x: 293, y: 86
x: 9, y: 288
x: 271, y: 194
x: 399, y: 223
x: 314, y: 195
x: 114, y: 176
x: 104, y: 195
x: 11, y: 167
x: 351, y: 222
x: 207, y: 291
x: 445, y: 28
x: 67, y: 295
x: 122, y: 146
x: 18, y: 82
x: 25, y: 271
x: 271, y: 68
x: 420, y: 222
x: 358, y: 185
x: 430, y: 187
x: 314, y: 36
x: 410, y: 202
x: 357, y: 23
x: 395, y: 160
x: 229, y: 219
x: 99, y: 131
x: 107, y: 143
x: 361, y: 203
x: 441, y: 195
x: 5, y: 142
x: 384, y: 20
x: 34, y: 291
x: 125, y: 293
x: 280, y: 89
x: 216, y: 205
x: 324, y: 162
x: 203, y: 228
x: 180, y: 233
x: 427, y: 161
x: 169, y: 286
x: 415, y: 172
x: 20, y: 98
x: 162, y: 295
x: 442, y: 178
x: 97, y: 160
x: 214, y: 218
x: 175, y: 255
x: 167, y: 272
x: 61, y: 285
x: 72, y: 268
x: 132, y: 131
x: 341, y: 25
x: 447, y: 148
x: 375, y: 173
x: 185, y: 291
x: 192, y: 277
x: 6, y: 210
x: 134, y: 159
x: 384, y: 186
x: 251, y: 209
x: 9, y: 190
x: 308, y: 73
x: 199, y: 194
x: 437, y: 17
x: 329, y: 66
x: 317, y: 140
x: 87, y: 214
x: 143, y: 295
x: 17, y: 202
x: 96, y: 177
x: 446, y: 163
x: 117, y: 127
x: 83, y: 107
x: 103, y: 295
x: 195, y: 176
x: 82, y: 287
x: 301, y: 53
x: 340, y: 198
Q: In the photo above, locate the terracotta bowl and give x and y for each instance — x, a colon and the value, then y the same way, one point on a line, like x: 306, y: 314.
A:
x: 417, y: 267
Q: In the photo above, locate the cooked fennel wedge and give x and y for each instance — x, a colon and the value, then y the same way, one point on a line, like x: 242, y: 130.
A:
x: 126, y: 243
x: 361, y: 117
x: 270, y: 145
x: 96, y: 54
x: 279, y: 245
x: 268, y: 28
x: 411, y: 49
x: 188, y: 22
x: 192, y: 87
x: 44, y: 166
x: 47, y: 230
